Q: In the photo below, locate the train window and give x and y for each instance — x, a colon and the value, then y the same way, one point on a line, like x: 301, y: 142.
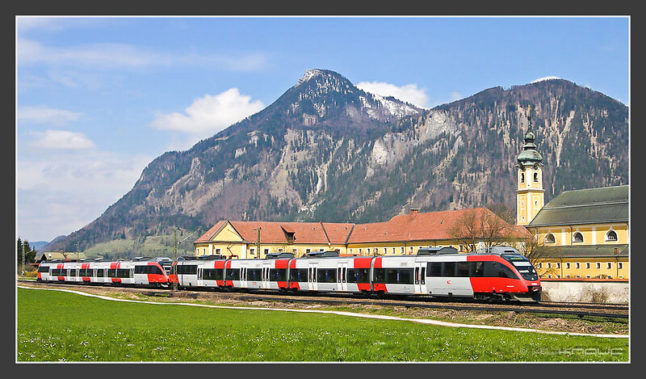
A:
x: 498, y: 270
x: 399, y: 275
x: 187, y: 269
x: 233, y: 274
x: 43, y: 268
x: 326, y: 275
x: 476, y: 269
x: 379, y: 275
x: 253, y: 274
x: 99, y: 273
x: 462, y: 269
x: 434, y: 269
x: 448, y: 269
x: 124, y: 273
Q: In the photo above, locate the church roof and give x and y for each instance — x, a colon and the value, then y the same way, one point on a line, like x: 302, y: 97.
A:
x: 587, y: 206
x: 589, y: 251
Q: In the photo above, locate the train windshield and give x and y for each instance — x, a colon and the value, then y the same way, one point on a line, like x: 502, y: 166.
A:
x: 523, y: 265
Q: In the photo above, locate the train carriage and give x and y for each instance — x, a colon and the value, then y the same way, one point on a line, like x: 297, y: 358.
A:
x: 500, y: 273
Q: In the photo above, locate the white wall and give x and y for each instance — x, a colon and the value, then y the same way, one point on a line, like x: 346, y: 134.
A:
x: 615, y: 292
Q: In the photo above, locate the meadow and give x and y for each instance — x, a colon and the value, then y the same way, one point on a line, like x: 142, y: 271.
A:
x: 59, y: 326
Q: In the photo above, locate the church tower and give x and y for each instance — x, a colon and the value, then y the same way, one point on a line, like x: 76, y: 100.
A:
x: 529, y: 194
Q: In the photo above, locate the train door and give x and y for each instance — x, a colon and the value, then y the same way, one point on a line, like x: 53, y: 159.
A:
x: 243, y: 276
x: 265, y: 275
x: 311, y: 277
x: 200, y: 278
x: 342, y: 277
x: 419, y: 277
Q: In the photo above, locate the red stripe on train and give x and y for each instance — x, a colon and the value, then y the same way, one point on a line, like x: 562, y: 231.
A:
x: 362, y: 262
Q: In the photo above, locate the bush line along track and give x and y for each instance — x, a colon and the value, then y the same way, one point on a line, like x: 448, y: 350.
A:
x: 579, y: 310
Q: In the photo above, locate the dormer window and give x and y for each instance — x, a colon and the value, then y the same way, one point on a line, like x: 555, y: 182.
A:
x: 549, y: 238
x: 577, y: 237
x: 611, y: 236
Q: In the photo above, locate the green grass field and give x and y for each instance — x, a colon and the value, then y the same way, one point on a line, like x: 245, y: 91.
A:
x: 56, y: 326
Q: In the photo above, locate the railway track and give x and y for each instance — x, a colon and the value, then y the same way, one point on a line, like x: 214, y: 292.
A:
x: 611, y: 311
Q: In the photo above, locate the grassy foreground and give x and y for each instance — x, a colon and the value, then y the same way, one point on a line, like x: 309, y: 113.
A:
x: 58, y: 326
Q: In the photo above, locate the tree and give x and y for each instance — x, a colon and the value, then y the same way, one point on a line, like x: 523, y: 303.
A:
x: 19, y: 249
x: 480, y: 226
x: 536, y: 254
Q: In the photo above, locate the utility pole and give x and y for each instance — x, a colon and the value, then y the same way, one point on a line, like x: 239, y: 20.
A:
x: 23, y: 259
x: 258, y: 244
x: 174, y: 266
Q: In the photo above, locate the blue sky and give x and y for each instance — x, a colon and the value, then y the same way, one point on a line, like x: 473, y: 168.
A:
x: 99, y: 98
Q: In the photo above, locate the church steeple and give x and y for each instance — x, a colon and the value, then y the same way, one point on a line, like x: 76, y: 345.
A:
x: 530, y: 179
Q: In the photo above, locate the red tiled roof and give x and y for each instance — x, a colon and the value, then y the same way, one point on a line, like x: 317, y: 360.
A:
x: 414, y: 226
x: 418, y: 227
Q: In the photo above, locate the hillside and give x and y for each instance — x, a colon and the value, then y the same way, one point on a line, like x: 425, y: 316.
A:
x: 326, y: 150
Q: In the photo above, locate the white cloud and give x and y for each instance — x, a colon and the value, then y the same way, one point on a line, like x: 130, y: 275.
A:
x: 61, y: 140
x: 544, y: 78
x: 46, y: 115
x: 60, y: 193
x: 119, y: 55
x: 209, y: 114
x: 409, y: 92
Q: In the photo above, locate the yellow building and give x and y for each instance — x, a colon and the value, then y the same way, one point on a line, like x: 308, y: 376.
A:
x: 402, y: 234
x: 584, y: 234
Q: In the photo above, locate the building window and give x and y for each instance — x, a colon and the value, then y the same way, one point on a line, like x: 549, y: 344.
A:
x: 350, y: 251
x: 540, y: 265
x: 558, y: 265
x: 567, y: 264
x: 402, y: 250
x: 522, y: 177
x: 609, y: 276
x: 376, y: 250
x: 558, y: 276
x: 295, y: 251
x: 578, y: 276
x: 549, y: 276
x: 609, y: 265
x: 461, y: 248
x: 307, y: 251
x: 577, y: 265
x: 393, y: 250
x: 359, y: 251
x: 536, y: 177
x: 577, y: 237
x: 266, y: 251
x: 587, y: 264
x: 251, y: 251
x: 368, y: 251
x: 621, y: 276
x: 280, y: 250
x: 549, y: 265
x: 587, y: 276
x: 620, y: 265
x: 611, y: 235
x: 549, y: 238
x: 567, y: 276
x: 598, y: 265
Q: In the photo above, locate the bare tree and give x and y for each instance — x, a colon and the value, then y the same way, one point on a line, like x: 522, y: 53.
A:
x: 475, y: 226
x: 537, y: 254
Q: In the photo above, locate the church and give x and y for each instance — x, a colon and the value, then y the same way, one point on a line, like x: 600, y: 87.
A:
x: 580, y: 234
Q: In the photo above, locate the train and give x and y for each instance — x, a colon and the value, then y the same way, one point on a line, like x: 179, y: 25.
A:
x: 497, y: 273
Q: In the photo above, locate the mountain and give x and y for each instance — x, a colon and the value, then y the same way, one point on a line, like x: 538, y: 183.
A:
x: 326, y: 150
x: 49, y: 246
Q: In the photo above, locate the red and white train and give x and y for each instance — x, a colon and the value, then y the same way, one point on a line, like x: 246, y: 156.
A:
x: 501, y: 273
x: 147, y: 272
